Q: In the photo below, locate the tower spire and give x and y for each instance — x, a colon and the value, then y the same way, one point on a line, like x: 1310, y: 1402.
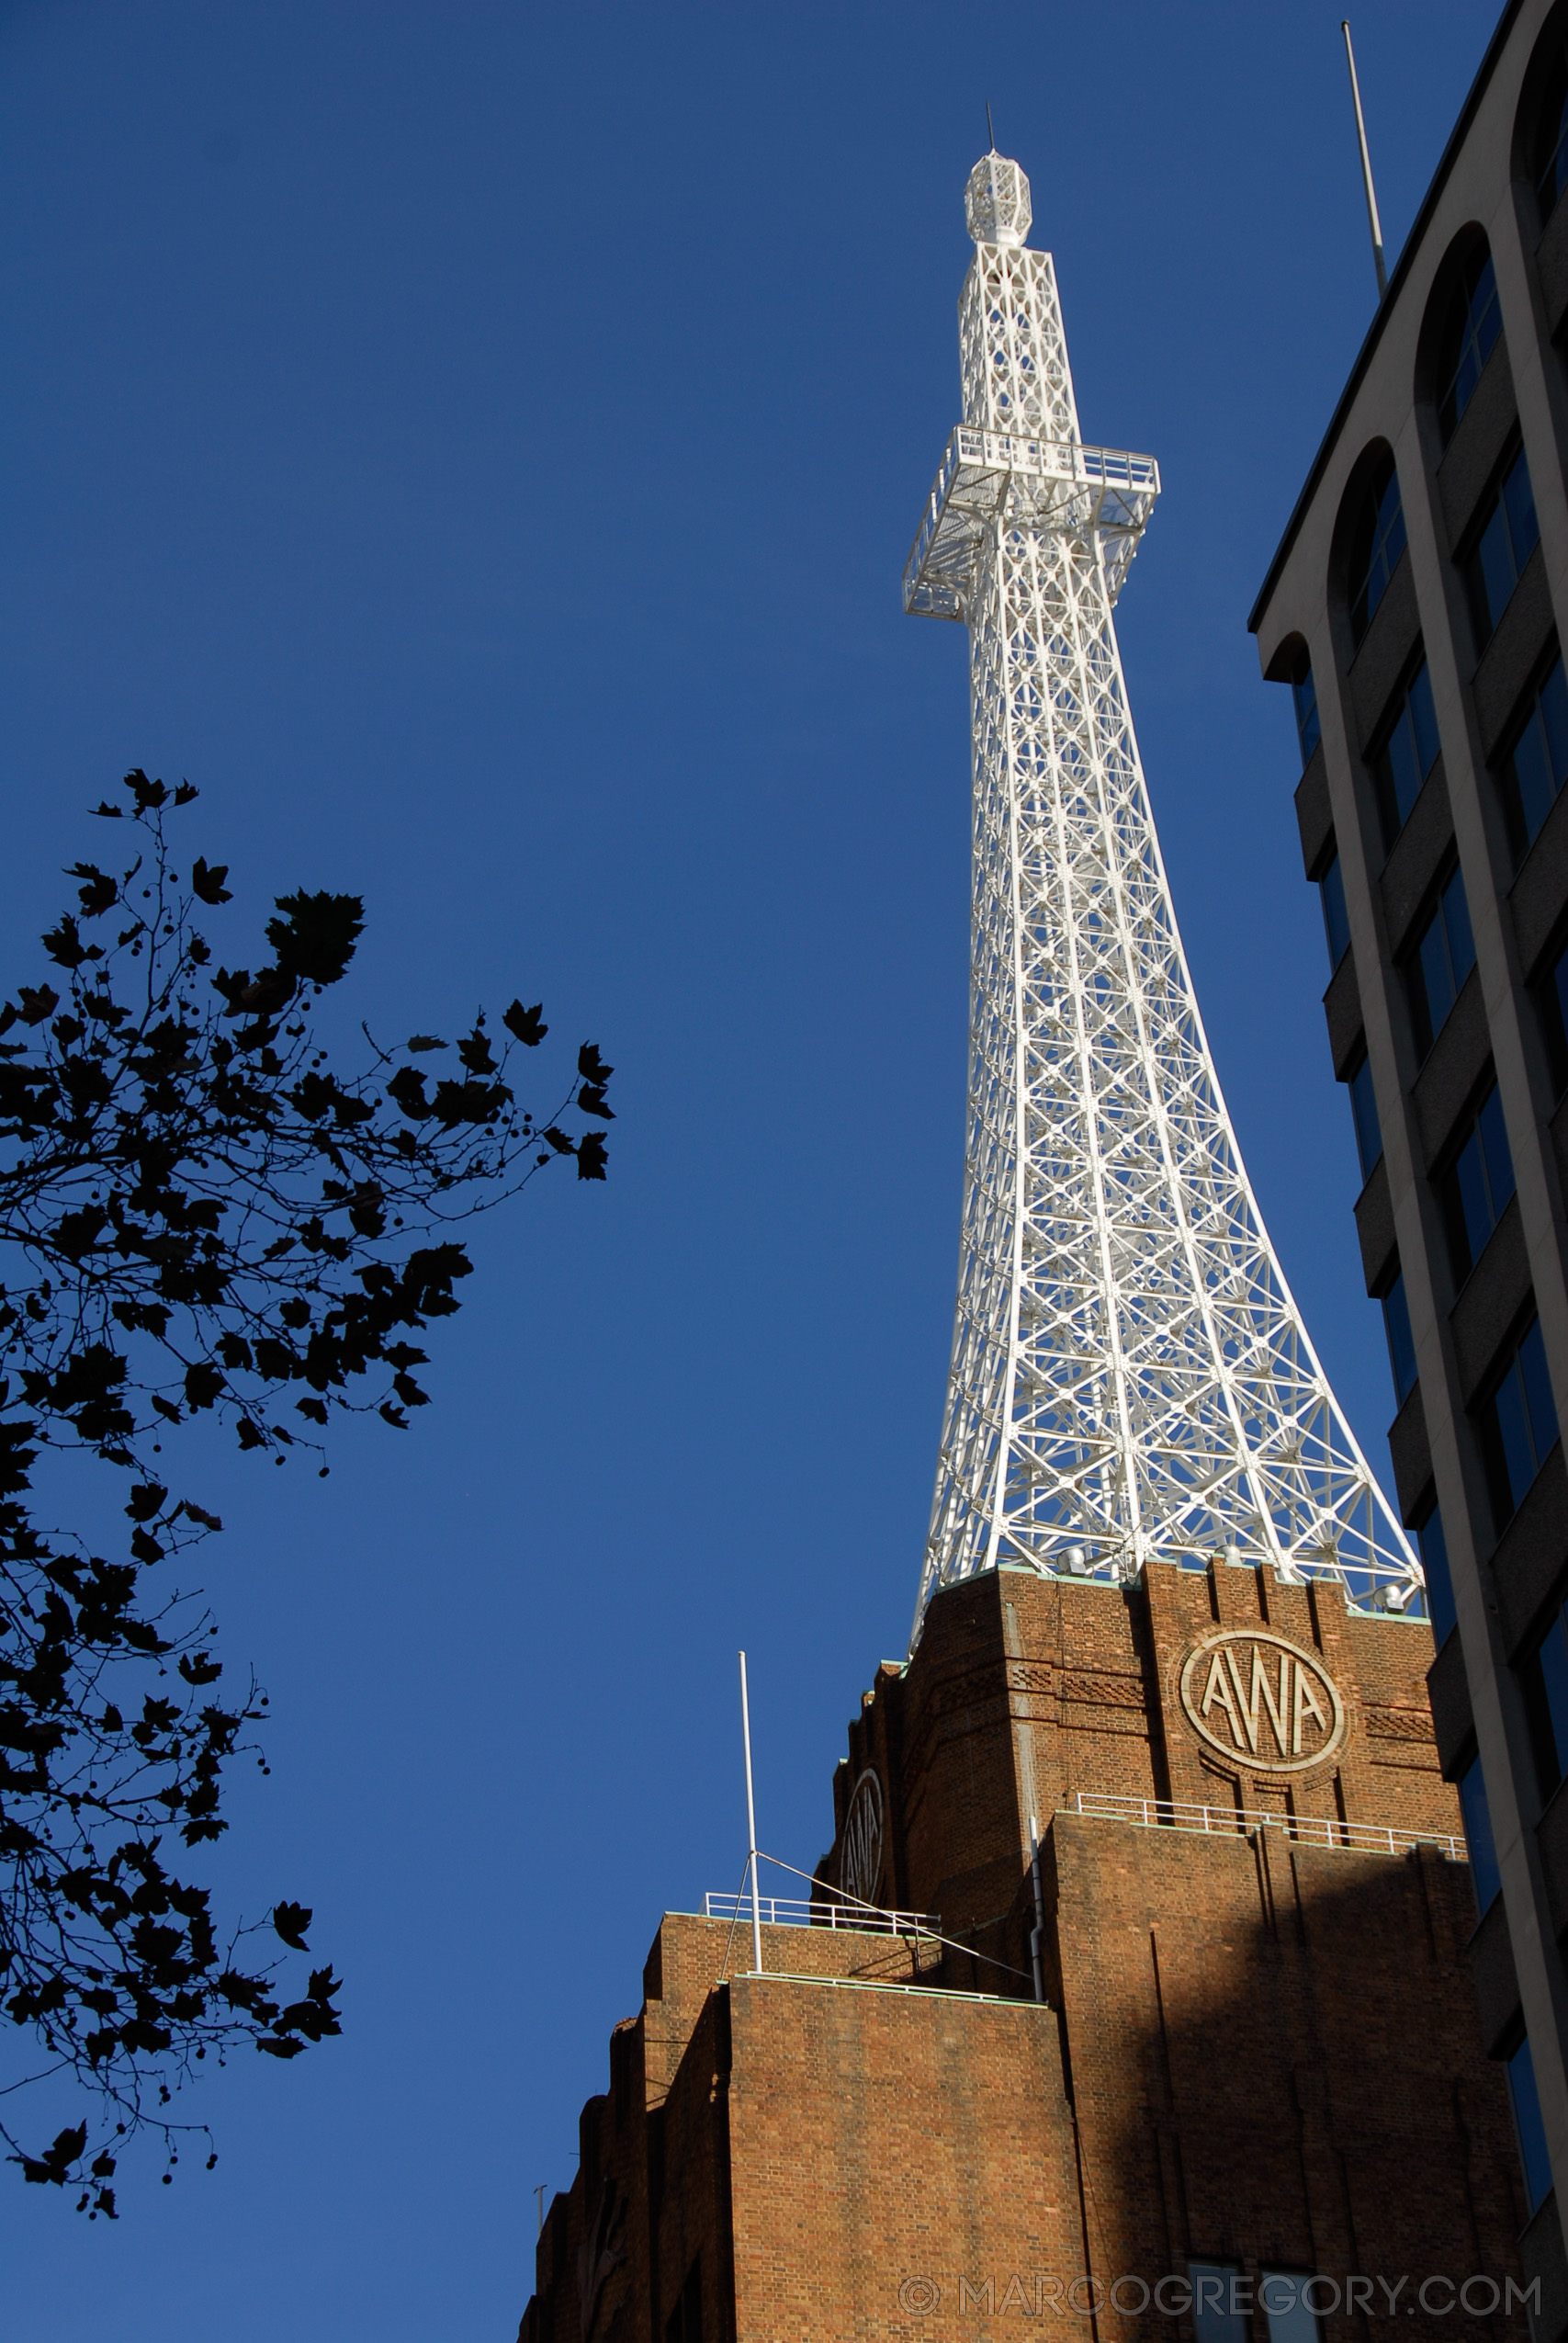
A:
x: 1131, y: 1379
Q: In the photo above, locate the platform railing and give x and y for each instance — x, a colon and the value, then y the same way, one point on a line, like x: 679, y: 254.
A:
x: 794, y: 1911
x: 1310, y: 1831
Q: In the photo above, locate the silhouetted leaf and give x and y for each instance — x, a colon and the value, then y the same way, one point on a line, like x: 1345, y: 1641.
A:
x: 526, y: 1024
x: 315, y: 938
x: 291, y: 1921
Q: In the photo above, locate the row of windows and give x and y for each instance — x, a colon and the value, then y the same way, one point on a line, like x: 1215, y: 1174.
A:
x: 1530, y: 775
x: 1515, y: 1418
x: 1506, y: 538
x: 1493, y: 561
x: 1440, y: 957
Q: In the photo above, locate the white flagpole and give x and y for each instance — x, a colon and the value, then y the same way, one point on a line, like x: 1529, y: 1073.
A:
x: 751, y: 1828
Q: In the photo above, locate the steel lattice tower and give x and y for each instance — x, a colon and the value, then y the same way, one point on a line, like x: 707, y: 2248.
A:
x: 1131, y: 1378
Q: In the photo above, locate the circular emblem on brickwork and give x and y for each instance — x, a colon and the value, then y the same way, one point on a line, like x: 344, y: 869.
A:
x: 859, y: 1853
x: 1261, y: 1702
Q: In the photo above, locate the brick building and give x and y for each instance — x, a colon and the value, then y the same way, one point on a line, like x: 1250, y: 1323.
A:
x: 1257, y: 2050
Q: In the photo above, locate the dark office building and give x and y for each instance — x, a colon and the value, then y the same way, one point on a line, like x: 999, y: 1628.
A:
x: 1418, y: 607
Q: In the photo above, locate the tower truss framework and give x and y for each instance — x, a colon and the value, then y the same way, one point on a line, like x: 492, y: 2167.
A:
x: 1131, y: 1378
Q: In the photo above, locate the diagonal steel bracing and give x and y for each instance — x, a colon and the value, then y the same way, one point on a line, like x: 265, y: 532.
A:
x: 1131, y: 1378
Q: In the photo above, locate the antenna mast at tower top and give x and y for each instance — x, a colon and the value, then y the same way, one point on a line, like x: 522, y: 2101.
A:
x: 1131, y: 1379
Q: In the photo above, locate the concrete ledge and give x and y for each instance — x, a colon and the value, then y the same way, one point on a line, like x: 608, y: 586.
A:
x: 1387, y: 648
x: 1476, y: 449
x: 1551, y: 1838
x: 1416, y: 858
x: 1490, y: 1300
x: 1315, y: 815
x: 1342, y: 1008
x: 1539, y: 895
x: 1453, y: 1066
x: 1374, y: 1226
x: 1496, y: 1985
x: 1411, y: 1452
x: 1448, y: 1689
x: 1513, y: 654
x: 1529, y: 1560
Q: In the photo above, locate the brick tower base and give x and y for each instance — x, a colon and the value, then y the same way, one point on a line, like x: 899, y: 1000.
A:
x: 1218, y: 2038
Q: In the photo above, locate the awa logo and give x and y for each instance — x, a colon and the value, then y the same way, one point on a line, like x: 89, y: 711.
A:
x: 1262, y: 1702
x: 859, y: 1855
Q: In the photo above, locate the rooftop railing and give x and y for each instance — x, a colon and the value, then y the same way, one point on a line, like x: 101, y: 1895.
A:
x: 794, y: 1911
x: 1310, y: 1831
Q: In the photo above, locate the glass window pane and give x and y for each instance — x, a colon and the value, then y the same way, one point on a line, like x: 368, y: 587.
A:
x: 1433, y: 1548
x: 1539, y: 1407
x: 1553, y: 999
x: 1280, y: 2299
x: 1551, y: 137
x: 1335, y: 917
x: 1217, y: 2316
x: 1554, y: 715
x: 1437, y: 983
x: 1424, y: 720
x: 1518, y: 503
x: 1400, y: 1346
x: 1456, y: 919
x: 1404, y: 773
x: 1516, y: 1449
x: 1484, y: 1874
x: 1499, y: 1162
x: 1493, y: 572
x: 1534, y: 787
x: 1391, y: 525
x: 1364, y: 1113
x: 1527, y: 2125
x: 1553, y: 1662
x: 1420, y: 1011
x: 1486, y: 318
x: 1473, y: 1222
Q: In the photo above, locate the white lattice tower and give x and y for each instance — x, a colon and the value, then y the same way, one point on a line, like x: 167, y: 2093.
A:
x: 1131, y: 1378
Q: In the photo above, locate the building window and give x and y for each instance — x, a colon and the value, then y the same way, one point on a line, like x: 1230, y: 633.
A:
x: 1364, y: 1114
x: 1401, y: 1345
x: 1303, y: 698
x: 1470, y: 336
x: 1507, y: 540
x: 1551, y: 1006
x: 1477, y: 1815
x: 1536, y: 766
x: 1407, y: 754
x: 1543, y: 1679
x: 1517, y: 1423
x: 1528, y: 2126
x: 1443, y: 958
x: 1335, y: 917
x: 1433, y: 1547
x: 1550, y: 157
x: 1219, y: 2303
x: 1280, y: 2298
x: 1376, y: 546
x: 1477, y: 1185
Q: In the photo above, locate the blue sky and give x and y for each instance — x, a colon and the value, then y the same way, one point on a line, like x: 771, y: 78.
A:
x: 478, y: 444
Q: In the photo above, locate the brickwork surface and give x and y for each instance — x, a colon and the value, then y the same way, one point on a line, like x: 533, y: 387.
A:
x: 1255, y: 2049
